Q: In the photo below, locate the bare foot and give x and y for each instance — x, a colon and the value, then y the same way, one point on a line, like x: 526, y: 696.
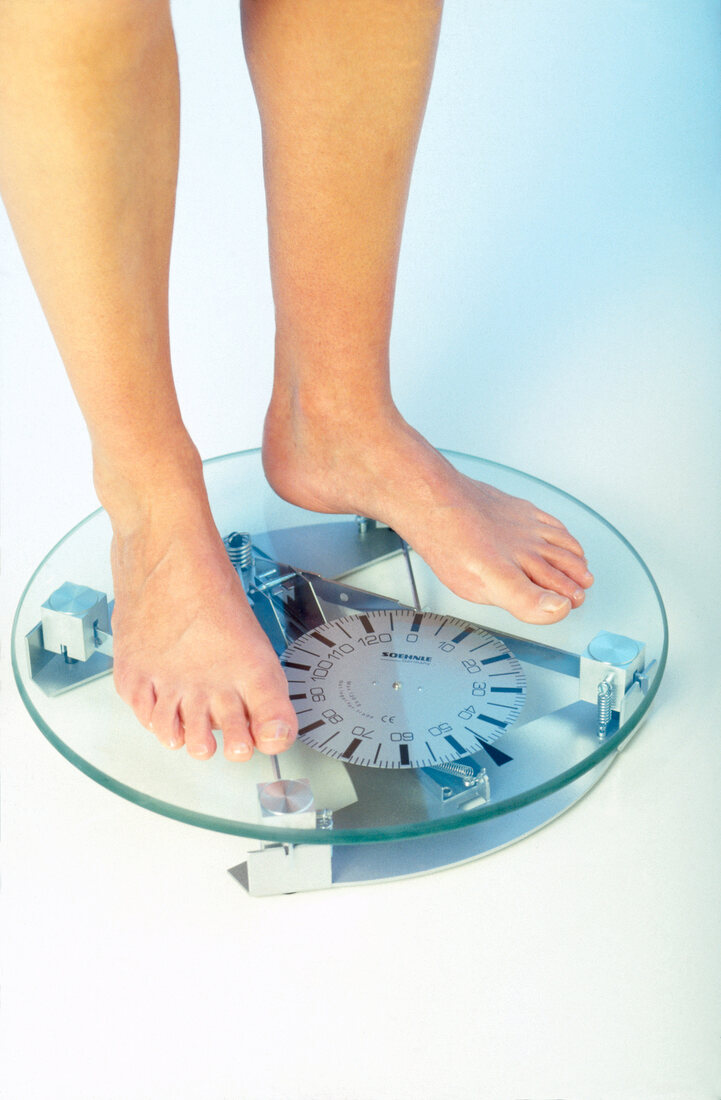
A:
x: 484, y: 545
x: 189, y: 655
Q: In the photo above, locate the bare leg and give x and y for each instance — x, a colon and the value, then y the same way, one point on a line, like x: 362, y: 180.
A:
x: 89, y: 146
x: 341, y: 89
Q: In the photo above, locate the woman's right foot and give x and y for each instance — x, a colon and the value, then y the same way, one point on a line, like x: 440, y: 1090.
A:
x: 189, y: 654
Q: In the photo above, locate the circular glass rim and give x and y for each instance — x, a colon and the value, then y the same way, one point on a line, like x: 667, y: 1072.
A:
x: 368, y: 835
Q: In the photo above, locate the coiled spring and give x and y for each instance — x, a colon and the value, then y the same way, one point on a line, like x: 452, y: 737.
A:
x: 240, y: 549
x: 605, y: 702
x: 461, y: 771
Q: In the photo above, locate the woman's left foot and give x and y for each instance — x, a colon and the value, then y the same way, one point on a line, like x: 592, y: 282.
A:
x: 484, y: 545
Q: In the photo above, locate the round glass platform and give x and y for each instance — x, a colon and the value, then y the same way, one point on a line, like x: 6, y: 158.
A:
x: 476, y: 758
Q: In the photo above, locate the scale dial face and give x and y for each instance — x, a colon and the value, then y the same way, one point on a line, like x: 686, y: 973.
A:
x: 402, y: 688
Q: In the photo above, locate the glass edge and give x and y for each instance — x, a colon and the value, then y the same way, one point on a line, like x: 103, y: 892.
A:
x: 231, y: 454
x: 351, y: 836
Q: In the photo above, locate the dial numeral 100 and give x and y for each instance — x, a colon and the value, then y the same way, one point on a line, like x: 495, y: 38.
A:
x: 323, y: 667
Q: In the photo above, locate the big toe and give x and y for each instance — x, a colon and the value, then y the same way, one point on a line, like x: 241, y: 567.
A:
x: 550, y: 607
x: 527, y: 601
x: 274, y: 735
x: 273, y: 723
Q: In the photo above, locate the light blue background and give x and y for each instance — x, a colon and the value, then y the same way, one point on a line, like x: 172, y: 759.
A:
x: 559, y: 309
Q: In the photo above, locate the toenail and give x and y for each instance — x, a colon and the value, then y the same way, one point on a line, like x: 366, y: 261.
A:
x: 553, y: 603
x: 240, y: 750
x: 174, y: 743
x: 578, y: 594
x: 275, y: 732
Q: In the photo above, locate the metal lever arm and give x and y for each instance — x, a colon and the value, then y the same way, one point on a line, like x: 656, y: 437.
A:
x: 288, y: 602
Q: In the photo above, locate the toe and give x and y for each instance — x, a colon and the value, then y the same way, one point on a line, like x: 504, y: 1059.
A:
x: 568, y: 563
x: 514, y: 590
x: 273, y: 736
x: 554, y: 580
x: 237, y: 741
x: 165, y: 720
x: 559, y: 536
x: 273, y: 723
x: 140, y: 695
x: 143, y: 702
x: 199, y: 740
x: 534, y: 604
x: 228, y: 715
x: 546, y: 517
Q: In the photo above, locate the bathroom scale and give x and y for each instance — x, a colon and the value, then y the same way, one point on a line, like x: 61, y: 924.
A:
x: 432, y: 730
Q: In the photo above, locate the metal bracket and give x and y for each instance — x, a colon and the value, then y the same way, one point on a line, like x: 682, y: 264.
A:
x: 612, y: 667
x: 73, y: 643
x: 287, y: 868
x: 461, y: 783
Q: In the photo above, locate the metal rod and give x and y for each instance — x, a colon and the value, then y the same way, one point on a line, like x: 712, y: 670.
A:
x: 414, y: 590
x: 279, y: 620
x: 317, y: 601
